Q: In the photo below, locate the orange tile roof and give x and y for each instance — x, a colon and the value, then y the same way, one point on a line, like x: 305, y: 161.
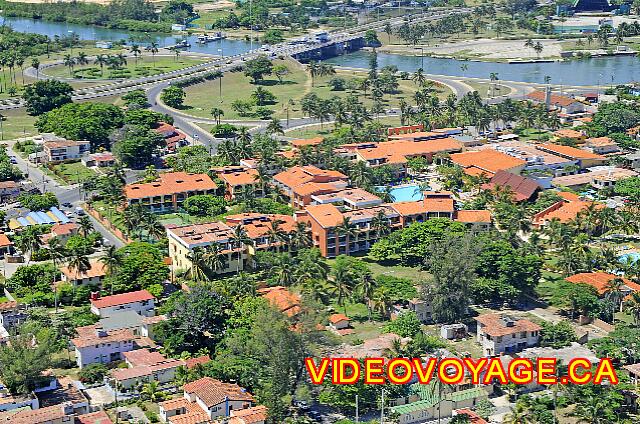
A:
x: 326, y: 215
x: 601, y: 142
x: 98, y: 269
x: 400, y: 150
x: 4, y: 240
x: 298, y: 175
x: 336, y: 318
x: 474, y: 418
x: 556, y: 100
x: 9, y: 305
x: 112, y: 336
x: 256, y: 414
x: 308, y: 189
x: 38, y: 416
x: 487, y: 160
x: 474, y: 171
x: 99, y: 417
x: 245, y: 177
x: 494, y: 325
x: 144, y: 357
x: 122, y: 299
x: 564, y: 210
x: 355, y: 195
x: 280, y: 297
x: 307, y: 142
x: 173, y: 404
x: 260, y: 227
x: 599, y: 280
x: 570, y: 152
x: 170, y: 183
x: 568, y: 133
x: 64, y: 229
x: 193, y: 362
x: 473, y: 216
x: 213, y: 392
x: 424, y: 206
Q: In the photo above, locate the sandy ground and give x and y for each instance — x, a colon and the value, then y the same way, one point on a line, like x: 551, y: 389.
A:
x: 486, y: 48
x: 221, y: 4
x: 593, y: 20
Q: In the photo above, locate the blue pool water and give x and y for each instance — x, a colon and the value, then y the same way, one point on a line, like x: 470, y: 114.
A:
x: 406, y: 193
x: 629, y: 257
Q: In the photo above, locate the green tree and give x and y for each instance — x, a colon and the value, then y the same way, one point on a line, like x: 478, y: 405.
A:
x: 173, y: 96
x: 257, y: 68
x: 22, y: 362
x: 405, y: 325
x: 45, y: 95
x: 205, y: 205
x: 137, y: 147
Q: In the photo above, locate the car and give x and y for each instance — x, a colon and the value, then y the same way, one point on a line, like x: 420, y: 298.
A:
x: 67, y: 204
x: 315, y: 415
x: 79, y: 211
x: 302, y: 405
x: 13, y: 160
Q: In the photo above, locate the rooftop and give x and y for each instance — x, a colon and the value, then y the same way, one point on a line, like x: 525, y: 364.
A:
x: 200, y: 234
x: 99, y: 417
x: 425, y: 205
x: 487, y: 160
x: 607, y: 173
x: 281, y: 298
x: 556, y: 100
x: 122, y: 299
x: 349, y: 195
x: 569, y: 152
x: 256, y: 414
x: 140, y: 357
x: 213, y: 392
x: 599, y: 281
x: 497, y: 325
x: 307, y: 142
x: 239, y: 178
x: 298, y: 175
x: 114, y: 336
x: 473, y: 216
x: 170, y: 183
x: 97, y: 270
x: 523, y: 188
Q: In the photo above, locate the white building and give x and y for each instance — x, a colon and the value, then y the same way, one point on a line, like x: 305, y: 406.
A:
x: 206, y: 399
x: 56, y: 151
x: 500, y: 334
x: 97, y: 346
x: 142, y: 302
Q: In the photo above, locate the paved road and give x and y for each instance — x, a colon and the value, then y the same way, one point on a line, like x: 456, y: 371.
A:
x: 71, y: 194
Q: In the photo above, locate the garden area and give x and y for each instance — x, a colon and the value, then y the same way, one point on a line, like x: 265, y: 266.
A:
x: 70, y: 173
x: 286, y: 86
x: 130, y: 67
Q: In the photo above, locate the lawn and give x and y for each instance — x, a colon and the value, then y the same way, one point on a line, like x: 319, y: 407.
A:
x: 326, y: 129
x: 236, y: 86
x: 72, y: 173
x: 143, y: 66
x: 17, y: 123
x: 486, y: 90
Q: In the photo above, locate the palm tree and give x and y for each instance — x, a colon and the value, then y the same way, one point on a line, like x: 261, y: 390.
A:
x: 153, y: 48
x: 214, y: 258
x: 81, y: 59
x: 276, y: 235
x: 382, y: 301
x: 380, y: 224
x: 239, y: 238
x: 217, y: 114
x: 614, y: 292
x: 29, y: 241
x: 633, y: 307
x: 274, y: 127
x: 300, y: 238
x: 35, y: 64
x: 419, y: 77
x: 85, y: 225
x: 57, y: 254
x: 341, y: 284
x: 135, y: 49
x: 69, y: 62
x: 493, y: 76
x: 79, y: 262
x: 111, y: 260
x: 197, y: 270
x: 152, y: 392
x: 101, y: 60
x: 366, y: 287
x: 348, y: 230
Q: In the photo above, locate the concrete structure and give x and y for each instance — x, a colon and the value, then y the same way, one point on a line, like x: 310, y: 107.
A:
x: 169, y: 191
x: 98, y: 346
x: 500, y: 334
x: 57, y: 151
x: 100, y: 160
x: 239, y: 178
x: 142, y: 302
x: 299, y: 183
x: 598, y: 177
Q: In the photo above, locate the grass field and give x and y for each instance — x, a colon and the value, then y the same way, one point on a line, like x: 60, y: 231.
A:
x: 236, y: 86
x: 486, y: 90
x: 143, y: 66
x: 17, y: 123
x: 72, y: 173
x: 326, y: 129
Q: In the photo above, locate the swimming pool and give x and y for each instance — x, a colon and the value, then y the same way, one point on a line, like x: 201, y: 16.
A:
x: 629, y: 257
x: 406, y: 193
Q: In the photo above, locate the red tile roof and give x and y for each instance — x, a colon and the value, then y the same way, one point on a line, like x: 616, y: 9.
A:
x: 424, y: 206
x: 99, y: 417
x: 473, y: 216
x: 248, y: 176
x: 170, y: 183
x: 97, y: 269
x: 569, y: 152
x: 38, y: 416
x: 144, y: 357
x: 599, y: 281
x: 280, y: 297
x: 256, y: 414
x: 213, y: 392
x: 522, y: 187
x: 4, y: 240
x: 336, y: 318
x: 495, y: 325
x: 122, y: 299
x: 487, y: 160
x: 200, y: 360
x: 307, y: 142
x: 92, y: 339
x: 556, y: 100
x: 326, y: 215
x: 473, y: 417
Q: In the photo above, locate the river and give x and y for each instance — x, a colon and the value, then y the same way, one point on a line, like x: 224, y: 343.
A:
x: 596, y: 71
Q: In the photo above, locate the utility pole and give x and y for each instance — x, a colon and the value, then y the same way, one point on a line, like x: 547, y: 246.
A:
x: 382, y: 408
x: 357, y: 415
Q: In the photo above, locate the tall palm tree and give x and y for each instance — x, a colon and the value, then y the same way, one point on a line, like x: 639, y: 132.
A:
x: 348, y: 230
x: 197, y: 270
x: 79, y: 262
x: 633, y: 307
x: 419, y: 77
x: 85, y: 225
x: 101, y: 60
x: 112, y: 260
x: 29, y: 241
x: 135, y: 49
x: 214, y: 258
x: 341, y: 285
x: 240, y: 238
x: 68, y: 61
x: 81, y: 59
x: 276, y: 235
x: 301, y: 236
x: 614, y: 292
x: 152, y: 391
x: 217, y: 114
x: 57, y: 254
x: 366, y: 287
x: 153, y: 48
x: 380, y: 224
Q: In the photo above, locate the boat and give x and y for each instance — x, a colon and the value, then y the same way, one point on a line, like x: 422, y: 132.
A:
x: 207, y: 38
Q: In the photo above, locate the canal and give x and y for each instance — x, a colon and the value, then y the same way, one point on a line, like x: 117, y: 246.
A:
x: 596, y: 71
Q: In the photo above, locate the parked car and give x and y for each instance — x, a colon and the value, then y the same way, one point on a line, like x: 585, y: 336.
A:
x: 66, y: 204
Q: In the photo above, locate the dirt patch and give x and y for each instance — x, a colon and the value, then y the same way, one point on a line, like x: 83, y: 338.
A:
x: 222, y: 4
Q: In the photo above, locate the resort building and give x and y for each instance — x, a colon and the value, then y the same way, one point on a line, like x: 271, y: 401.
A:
x: 61, y: 231
x: 60, y: 150
x: 347, y: 199
x: 260, y: 229
x: 564, y: 210
x: 281, y: 298
x: 584, y: 158
x: 602, y: 145
x: 169, y: 191
x: 524, y: 189
x: 487, y: 162
x: 144, y: 366
x: 237, y: 179
x: 299, y: 183
x: 91, y: 277
x: 537, y: 161
x: 475, y: 220
x: 601, y: 280
x: 141, y: 302
x: 563, y: 104
x: 185, y: 238
x: 204, y: 400
x: 598, y: 177
x: 433, y: 205
x: 500, y: 334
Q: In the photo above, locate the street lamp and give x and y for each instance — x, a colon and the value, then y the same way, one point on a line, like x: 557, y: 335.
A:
x: 71, y: 41
x: 421, y: 57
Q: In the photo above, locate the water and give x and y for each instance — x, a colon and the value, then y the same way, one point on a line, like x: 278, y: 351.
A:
x: 629, y: 257
x: 406, y: 193
x: 595, y: 71
x: 94, y: 33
